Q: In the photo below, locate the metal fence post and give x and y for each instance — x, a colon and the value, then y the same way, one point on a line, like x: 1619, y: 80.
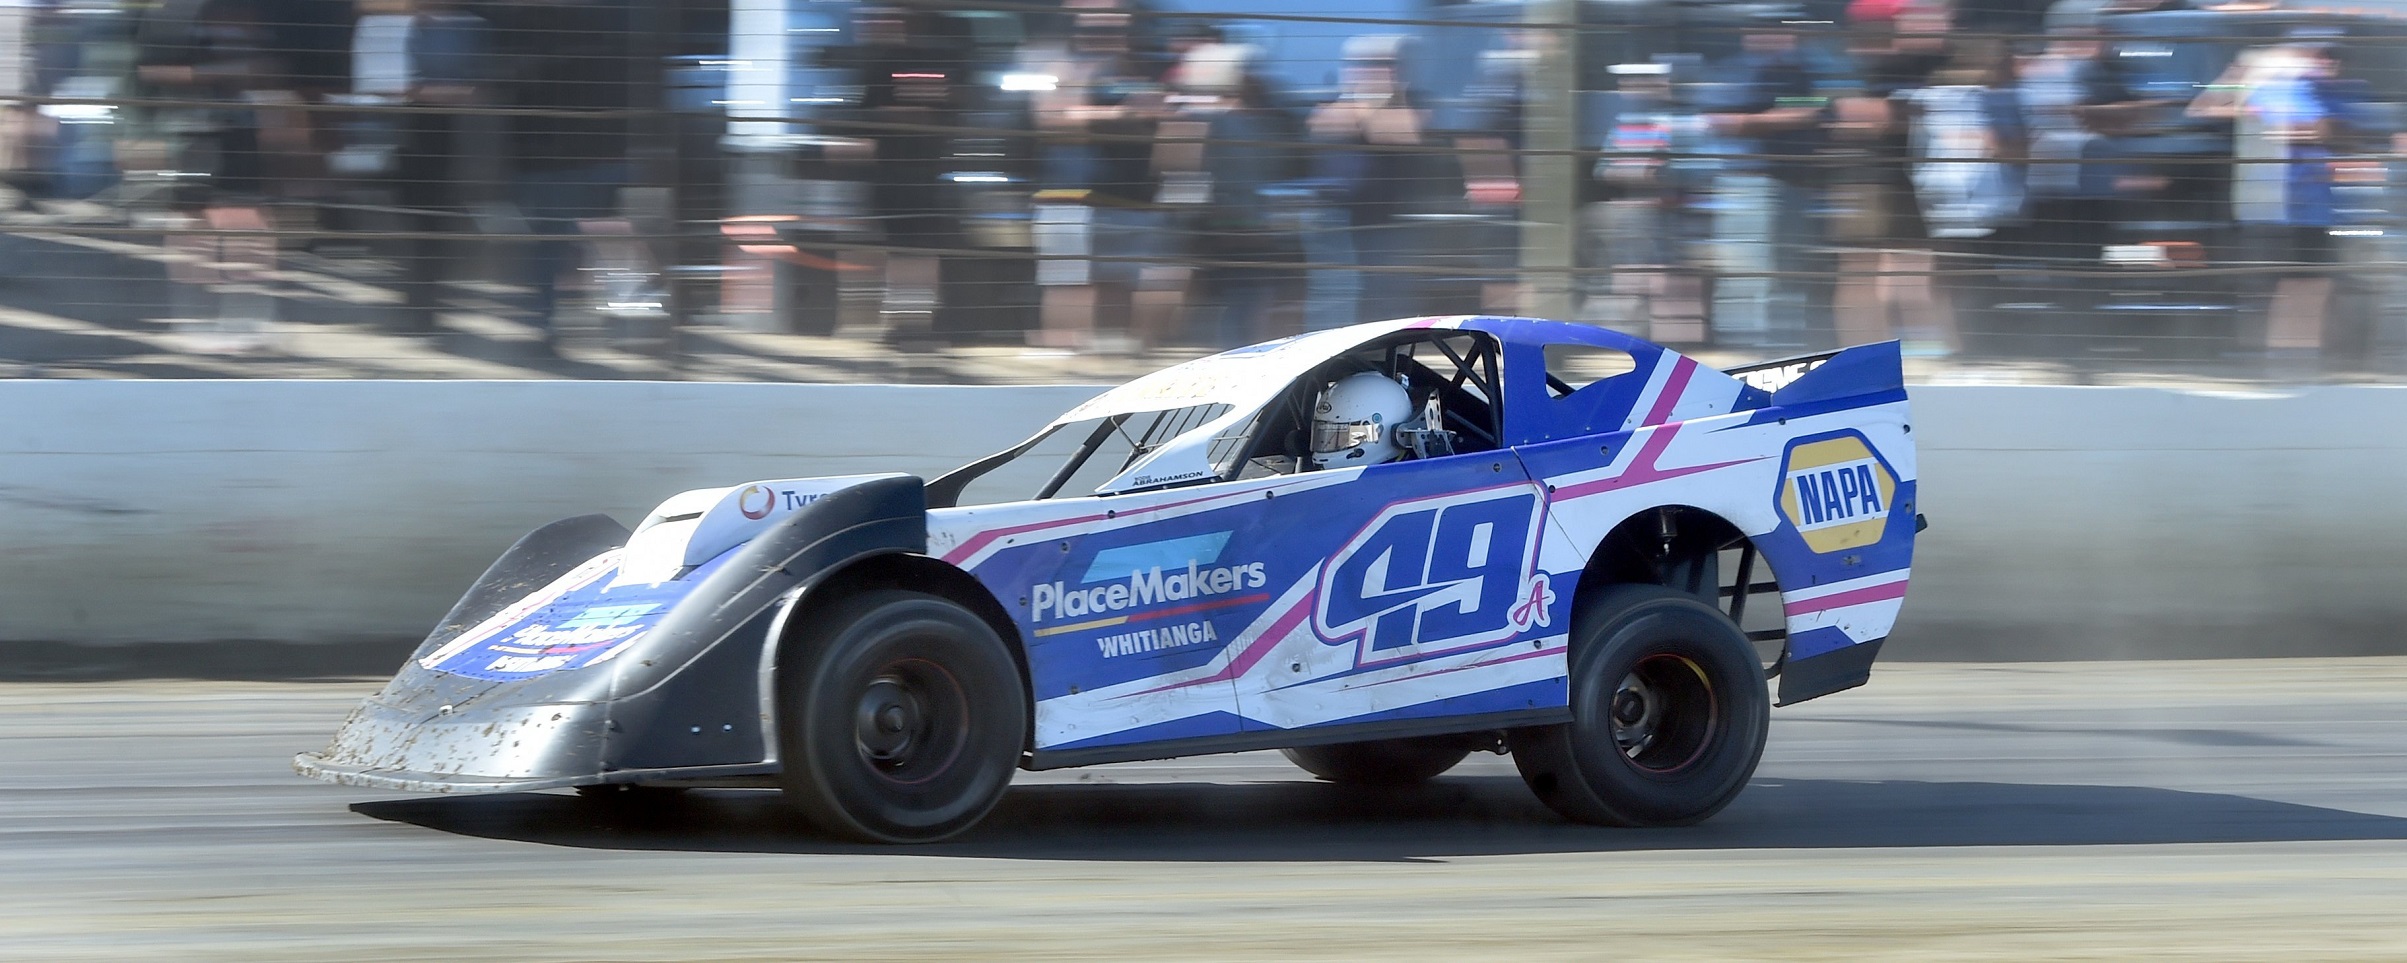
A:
x: 1550, y: 175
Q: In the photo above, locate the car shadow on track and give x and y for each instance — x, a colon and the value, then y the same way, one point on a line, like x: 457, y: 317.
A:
x: 1464, y: 815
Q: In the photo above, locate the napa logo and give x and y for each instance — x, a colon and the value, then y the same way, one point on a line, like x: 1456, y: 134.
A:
x: 1837, y: 492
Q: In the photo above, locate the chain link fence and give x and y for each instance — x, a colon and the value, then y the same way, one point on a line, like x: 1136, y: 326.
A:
x: 998, y: 191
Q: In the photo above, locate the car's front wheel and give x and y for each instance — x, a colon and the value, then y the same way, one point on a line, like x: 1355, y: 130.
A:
x: 1668, y: 714
x: 901, y: 718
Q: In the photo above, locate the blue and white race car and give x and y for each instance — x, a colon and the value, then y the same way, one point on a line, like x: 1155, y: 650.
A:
x: 1377, y: 548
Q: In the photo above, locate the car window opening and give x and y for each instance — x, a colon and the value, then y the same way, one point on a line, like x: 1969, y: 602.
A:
x: 1571, y: 367
x: 1453, y: 375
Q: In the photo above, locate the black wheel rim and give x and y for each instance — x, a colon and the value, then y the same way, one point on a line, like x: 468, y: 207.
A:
x: 1664, y: 713
x: 911, y: 721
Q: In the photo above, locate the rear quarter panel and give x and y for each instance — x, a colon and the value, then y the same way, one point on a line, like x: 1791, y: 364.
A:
x: 1823, y: 486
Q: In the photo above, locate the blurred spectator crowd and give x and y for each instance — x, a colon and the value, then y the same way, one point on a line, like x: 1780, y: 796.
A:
x: 2137, y: 180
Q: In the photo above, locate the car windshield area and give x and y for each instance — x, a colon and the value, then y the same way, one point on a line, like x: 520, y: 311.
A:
x: 1075, y: 458
x: 1448, y: 378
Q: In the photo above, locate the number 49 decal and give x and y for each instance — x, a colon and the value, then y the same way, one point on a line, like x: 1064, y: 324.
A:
x: 1438, y: 575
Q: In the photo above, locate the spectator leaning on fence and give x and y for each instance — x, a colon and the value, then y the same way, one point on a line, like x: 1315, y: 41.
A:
x: 911, y: 65
x: 1885, y: 262
x: 1969, y: 143
x: 1654, y: 181
x: 2057, y: 88
x: 1370, y: 183
x: 572, y: 63
x: 2289, y: 110
x: 1247, y: 146
x: 1098, y: 181
x: 1771, y: 114
x: 216, y: 62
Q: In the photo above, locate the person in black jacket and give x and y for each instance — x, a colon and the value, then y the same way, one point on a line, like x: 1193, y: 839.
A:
x: 1100, y: 185
x: 214, y: 62
x: 1885, y: 257
x: 1372, y: 184
x: 1772, y: 114
x: 579, y: 62
x: 1248, y: 147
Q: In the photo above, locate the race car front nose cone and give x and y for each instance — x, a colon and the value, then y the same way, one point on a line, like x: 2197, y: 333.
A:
x: 502, y: 742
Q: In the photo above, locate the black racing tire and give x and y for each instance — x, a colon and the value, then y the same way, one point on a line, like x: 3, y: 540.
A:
x: 1381, y: 762
x: 901, y: 717
x: 1668, y: 714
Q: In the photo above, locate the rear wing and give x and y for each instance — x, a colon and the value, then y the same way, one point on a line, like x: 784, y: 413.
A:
x: 1869, y: 369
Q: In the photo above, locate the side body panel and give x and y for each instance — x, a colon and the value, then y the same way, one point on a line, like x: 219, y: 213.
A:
x: 1827, y: 499
x: 1436, y: 589
x: 1396, y: 592
x: 1820, y: 477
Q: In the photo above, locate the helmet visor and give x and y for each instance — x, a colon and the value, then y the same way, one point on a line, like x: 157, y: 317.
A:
x: 1341, y: 435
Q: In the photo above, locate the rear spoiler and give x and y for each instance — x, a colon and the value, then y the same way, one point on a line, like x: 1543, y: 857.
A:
x: 1844, y: 373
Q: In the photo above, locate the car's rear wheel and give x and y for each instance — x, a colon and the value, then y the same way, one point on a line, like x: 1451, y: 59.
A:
x: 1381, y: 762
x: 1668, y: 714
x: 901, y: 718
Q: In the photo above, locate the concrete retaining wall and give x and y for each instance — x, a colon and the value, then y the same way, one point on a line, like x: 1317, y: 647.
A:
x: 2066, y: 522
x: 2121, y: 522
x: 328, y: 511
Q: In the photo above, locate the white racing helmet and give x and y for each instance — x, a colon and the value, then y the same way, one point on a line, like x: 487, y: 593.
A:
x: 1355, y: 422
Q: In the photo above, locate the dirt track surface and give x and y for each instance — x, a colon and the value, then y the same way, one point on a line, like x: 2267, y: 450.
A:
x: 2202, y: 810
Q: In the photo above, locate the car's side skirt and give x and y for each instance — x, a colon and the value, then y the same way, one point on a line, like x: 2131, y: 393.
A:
x: 315, y: 766
x: 1043, y: 759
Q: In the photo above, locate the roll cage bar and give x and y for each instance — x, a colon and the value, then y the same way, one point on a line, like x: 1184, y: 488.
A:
x: 1470, y: 397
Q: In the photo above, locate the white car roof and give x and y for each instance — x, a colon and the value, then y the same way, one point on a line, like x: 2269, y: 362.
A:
x: 1244, y: 379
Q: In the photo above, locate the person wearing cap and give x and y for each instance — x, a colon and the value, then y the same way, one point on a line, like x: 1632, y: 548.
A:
x: 1772, y: 117
x: 1230, y: 143
x: 1651, y: 170
x: 1489, y: 145
x: 1370, y: 189
x: 1099, y: 181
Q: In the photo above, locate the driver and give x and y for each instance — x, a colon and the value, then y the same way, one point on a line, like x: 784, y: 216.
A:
x: 1356, y: 421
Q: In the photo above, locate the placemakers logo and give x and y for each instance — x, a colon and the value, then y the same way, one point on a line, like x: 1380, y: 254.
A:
x: 1122, y: 580
x: 1837, y: 493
